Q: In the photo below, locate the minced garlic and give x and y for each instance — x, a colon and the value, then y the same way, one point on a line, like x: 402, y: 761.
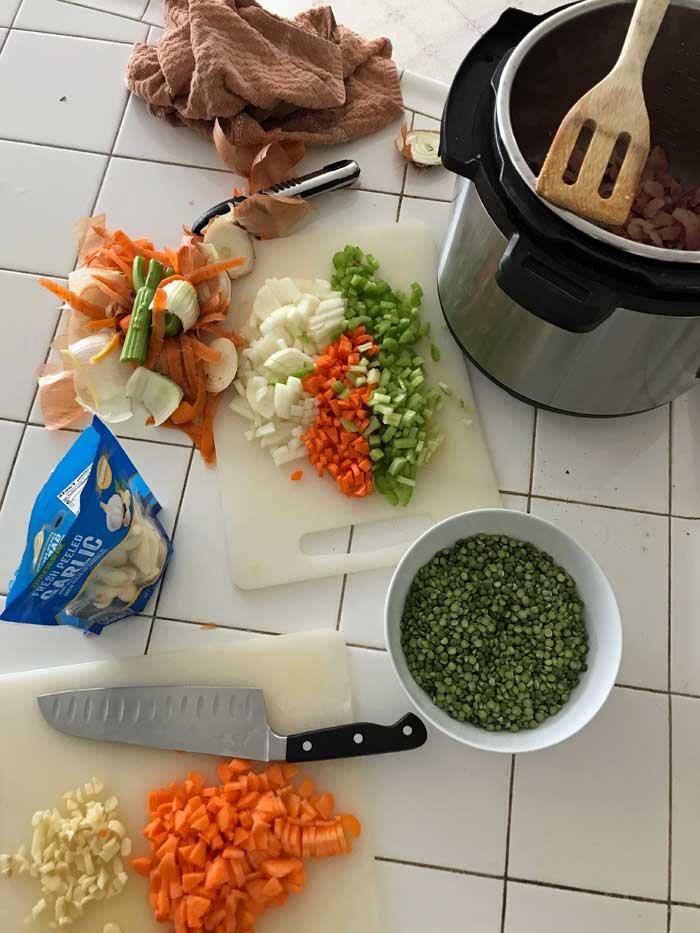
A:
x: 76, y: 856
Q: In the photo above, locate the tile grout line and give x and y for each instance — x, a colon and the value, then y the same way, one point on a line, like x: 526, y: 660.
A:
x: 2, y: 46
x: 668, y: 669
x: 96, y: 9
x: 74, y: 35
x: 403, y: 180
x: 390, y: 860
x: 223, y: 628
x: 613, y: 894
x: 345, y: 582
x: 474, y: 873
x: 172, y: 538
x: 121, y: 437
x: 532, y: 461
x: 507, y: 854
x: 601, y: 505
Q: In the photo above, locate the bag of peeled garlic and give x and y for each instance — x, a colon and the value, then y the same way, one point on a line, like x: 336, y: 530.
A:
x: 95, y: 548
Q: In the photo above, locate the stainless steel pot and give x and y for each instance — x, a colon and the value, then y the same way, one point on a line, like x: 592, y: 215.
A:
x: 556, y: 310
x: 541, y: 81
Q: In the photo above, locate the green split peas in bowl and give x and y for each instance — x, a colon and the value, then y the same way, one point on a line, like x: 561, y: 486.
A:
x: 493, y: 631
x: 502, y: 630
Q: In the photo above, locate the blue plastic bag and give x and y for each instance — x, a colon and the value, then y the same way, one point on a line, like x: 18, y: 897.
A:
x: 95, y: 548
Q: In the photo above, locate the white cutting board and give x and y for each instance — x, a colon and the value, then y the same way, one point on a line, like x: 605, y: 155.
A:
x: 306, y: 684
x: 265, y: 514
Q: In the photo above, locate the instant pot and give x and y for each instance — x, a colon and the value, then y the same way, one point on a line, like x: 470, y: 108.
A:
x: 558, y: 311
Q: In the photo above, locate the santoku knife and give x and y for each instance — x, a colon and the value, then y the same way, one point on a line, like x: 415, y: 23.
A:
x: 231, y: 722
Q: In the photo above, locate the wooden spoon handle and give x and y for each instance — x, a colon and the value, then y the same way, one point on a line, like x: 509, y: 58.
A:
x: 645, y: 23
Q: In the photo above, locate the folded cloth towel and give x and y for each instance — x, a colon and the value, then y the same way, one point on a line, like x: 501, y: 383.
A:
x: 263, y: 78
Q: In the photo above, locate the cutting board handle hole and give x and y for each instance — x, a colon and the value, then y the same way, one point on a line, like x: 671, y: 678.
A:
x: 388, y: 532
x: 328, y: 541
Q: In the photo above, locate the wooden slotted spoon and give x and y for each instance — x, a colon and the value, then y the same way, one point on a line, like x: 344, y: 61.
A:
x: 613, y: 110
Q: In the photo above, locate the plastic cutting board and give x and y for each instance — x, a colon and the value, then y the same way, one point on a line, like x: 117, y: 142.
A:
x: 265, y: 514
x: 306, y: 684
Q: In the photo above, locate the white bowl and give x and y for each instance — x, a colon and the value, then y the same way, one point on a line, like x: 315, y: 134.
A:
x: 601, y: 616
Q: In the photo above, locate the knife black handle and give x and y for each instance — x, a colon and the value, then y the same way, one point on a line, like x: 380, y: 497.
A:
x: 355, y: 739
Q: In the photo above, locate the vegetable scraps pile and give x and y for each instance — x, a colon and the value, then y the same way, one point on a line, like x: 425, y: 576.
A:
x: 493, y: 631
x: 146, y: 327
x: 332, y: 373
x: 223, y: 855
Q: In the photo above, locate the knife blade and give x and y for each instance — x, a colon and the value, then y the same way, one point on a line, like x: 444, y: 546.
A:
x: 226, y: 721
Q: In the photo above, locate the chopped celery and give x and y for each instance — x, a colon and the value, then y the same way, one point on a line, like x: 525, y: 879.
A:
x: 401, y: 403
x: 348, y: 425
x: 306, y: 371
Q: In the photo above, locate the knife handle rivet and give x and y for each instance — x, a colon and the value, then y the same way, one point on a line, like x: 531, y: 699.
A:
x: 307, y: 746
x: 358, y: 738
x: 407, y: 730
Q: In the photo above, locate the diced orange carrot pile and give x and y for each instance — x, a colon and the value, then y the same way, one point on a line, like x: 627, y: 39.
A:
x: 223, y: 855
x: 332, y: 446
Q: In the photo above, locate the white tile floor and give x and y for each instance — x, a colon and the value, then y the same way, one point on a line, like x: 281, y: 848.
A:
x: 599, y: 833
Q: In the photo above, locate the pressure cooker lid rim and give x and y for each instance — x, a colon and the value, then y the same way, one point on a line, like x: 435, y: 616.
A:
x: 504, y: 129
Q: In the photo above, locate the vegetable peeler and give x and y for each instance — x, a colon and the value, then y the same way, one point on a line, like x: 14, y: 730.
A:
x: 336, y: 175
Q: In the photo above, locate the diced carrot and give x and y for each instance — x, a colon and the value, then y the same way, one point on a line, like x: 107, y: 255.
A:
x: 141, y: 865
x: 272, y: 888
x: 197, y: 906
x: 239, y: 765
x: 170, y: 845
x: 217, y: 874
x: 296, y: 475
x: 306, y: 788
x: 198, y: 855
x: 228, y: 877
x: 325, y: 805
x: 281, y: 867
x: 168, y: 867
x: 351, y: 825
x: 191, y: 880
